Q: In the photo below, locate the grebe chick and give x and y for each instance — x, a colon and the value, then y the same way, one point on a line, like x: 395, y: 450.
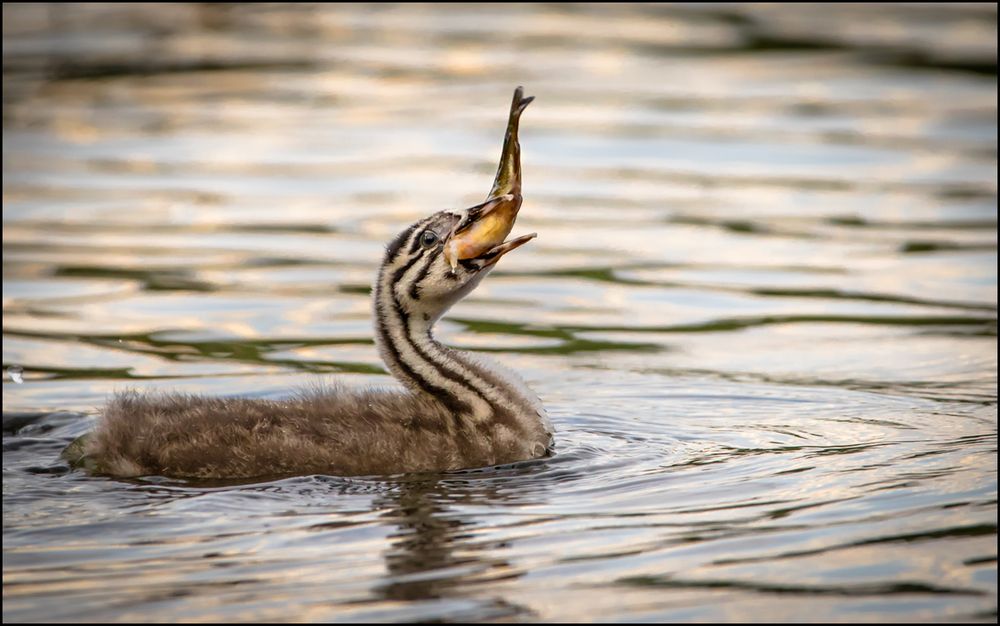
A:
x: 458, y: 410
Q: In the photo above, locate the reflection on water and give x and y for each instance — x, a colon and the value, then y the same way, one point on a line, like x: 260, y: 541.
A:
x: 761, y: 309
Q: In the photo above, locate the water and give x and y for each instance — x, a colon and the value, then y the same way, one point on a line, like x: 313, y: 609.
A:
x: 761, y: 308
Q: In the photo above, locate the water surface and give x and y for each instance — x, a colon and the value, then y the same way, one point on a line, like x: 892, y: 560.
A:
x: 761, y: 308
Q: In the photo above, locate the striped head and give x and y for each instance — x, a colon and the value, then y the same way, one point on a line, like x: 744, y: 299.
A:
x: 437, y: 261
x: 440, y: 259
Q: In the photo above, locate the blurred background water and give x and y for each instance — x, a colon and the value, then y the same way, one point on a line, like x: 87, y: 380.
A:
x: 761, y: 308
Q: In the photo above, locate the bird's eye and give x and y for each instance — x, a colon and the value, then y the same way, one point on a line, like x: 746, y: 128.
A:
x: 428, y: 238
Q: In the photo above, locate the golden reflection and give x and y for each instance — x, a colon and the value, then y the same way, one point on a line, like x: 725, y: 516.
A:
x: 438, y: 553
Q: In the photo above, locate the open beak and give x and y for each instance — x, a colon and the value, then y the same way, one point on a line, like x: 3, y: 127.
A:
x: 481, y: 231
x: 493, y: 255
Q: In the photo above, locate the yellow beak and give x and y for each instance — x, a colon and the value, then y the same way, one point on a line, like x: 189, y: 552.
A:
x: 482, y: 229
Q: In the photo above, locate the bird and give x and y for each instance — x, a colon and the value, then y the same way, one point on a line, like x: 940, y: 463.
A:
x: 455, y: 409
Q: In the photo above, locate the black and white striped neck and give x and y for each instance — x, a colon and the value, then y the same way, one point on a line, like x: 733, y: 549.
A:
x: 472, y: 390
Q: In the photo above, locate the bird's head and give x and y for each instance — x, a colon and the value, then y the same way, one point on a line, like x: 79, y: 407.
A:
x: 437, y: 261
x: 440, y: 259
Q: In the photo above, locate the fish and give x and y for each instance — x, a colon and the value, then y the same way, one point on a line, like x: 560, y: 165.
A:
x: 508, y: 178
x: 484, y: 227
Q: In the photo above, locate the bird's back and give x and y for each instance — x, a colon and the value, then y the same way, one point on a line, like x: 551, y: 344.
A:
x: 337, y: 430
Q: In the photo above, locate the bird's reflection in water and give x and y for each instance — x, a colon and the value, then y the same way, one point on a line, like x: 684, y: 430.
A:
x: 436, y: 553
